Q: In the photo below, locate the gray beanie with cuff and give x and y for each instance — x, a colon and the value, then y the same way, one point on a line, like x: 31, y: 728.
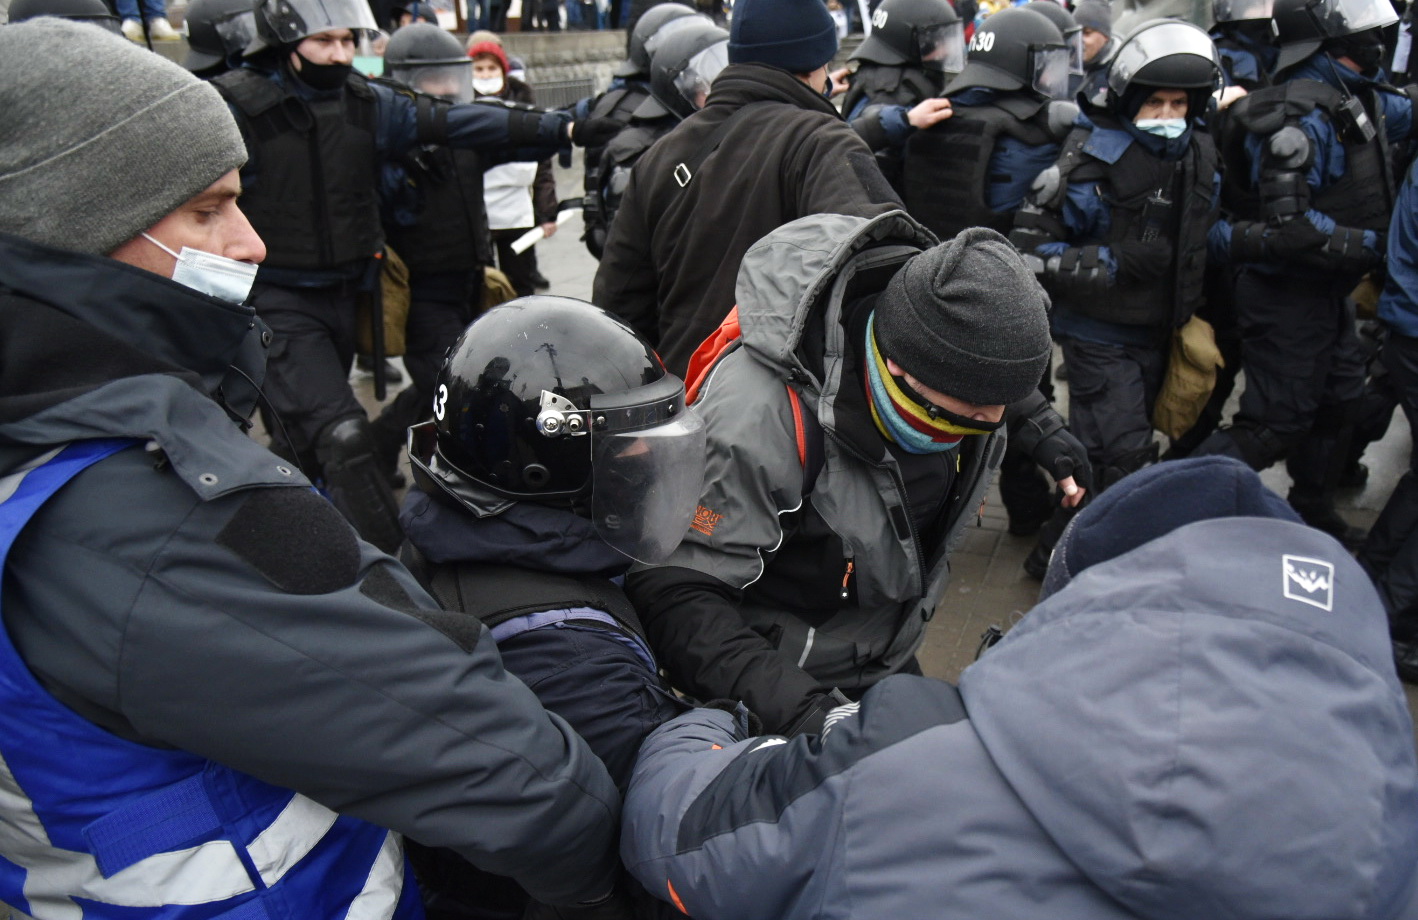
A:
x: 968, y: 319
x: 101, y: 138
x: 1094, y: 14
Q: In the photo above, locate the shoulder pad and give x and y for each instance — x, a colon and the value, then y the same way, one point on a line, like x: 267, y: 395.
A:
x: 250, y: 92
x: 394, y: 86
x: 1261, y: 112
x: 358, y: 85
x: 1289, y: 147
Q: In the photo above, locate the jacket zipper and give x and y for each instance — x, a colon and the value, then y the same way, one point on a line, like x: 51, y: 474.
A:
x: 847, y: 576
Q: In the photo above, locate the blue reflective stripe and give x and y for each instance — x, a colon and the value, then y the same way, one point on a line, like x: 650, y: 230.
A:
x: 169, y: 819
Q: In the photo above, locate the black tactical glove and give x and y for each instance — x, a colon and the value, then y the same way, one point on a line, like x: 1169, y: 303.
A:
x: 1295, y: 238
x: 614, y: 906
x: 1143, y: 262
x: 1040, y: 433
x: 811, y: 720
x: 595, y: 132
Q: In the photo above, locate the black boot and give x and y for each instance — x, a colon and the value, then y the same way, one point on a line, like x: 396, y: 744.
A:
x: 1317, y: 509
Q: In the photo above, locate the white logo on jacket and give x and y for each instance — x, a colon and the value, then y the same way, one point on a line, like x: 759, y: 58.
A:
x: 1309, y: 581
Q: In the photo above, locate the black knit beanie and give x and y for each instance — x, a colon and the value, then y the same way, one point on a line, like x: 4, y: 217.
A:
x: 798, y: 36
x: 967, y: 318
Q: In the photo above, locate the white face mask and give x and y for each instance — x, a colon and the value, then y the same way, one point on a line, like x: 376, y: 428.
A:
x: 208, y: 273
x: 1163, y: 127
x: 487, y: 86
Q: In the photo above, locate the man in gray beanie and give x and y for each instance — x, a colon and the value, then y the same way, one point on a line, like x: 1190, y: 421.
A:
x: 767, y: 148
x: 214, y: 698
x: 829, y: 504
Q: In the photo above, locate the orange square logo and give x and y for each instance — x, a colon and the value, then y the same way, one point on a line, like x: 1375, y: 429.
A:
x: 706, y: 520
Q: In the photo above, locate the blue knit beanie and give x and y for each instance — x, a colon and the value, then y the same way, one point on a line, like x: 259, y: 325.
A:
x: 1154, y: 502
x: 798, y: 36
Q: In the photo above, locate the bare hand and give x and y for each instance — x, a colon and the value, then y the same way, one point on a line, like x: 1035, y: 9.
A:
x: 839, y: 82
x: 1227, y: 95
x: 930, y: 112
x: 549, y: 228
x: 1073, y: 492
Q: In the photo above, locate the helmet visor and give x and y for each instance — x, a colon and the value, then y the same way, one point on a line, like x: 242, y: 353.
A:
x: 293, y: 20
x: 1345, y: 17
x: 942, y: 47
x: 449, y: 82
x: 1051, y: 69
x: 1239, y: 10
x: 236, y: 32
x: 693, y: 82
x: 1074, y: 40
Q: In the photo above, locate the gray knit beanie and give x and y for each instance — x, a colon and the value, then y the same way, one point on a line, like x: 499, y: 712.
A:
x: 967, y: 318
x: 100, y: 138
x: 1094, y: 14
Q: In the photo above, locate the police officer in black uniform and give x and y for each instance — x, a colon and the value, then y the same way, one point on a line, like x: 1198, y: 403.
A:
x: 317, y: 134
x: 915, y: 46
x: 560, y: 452
x: 1127, y: 216
x: 630, y: 86
x: 1246, y: 42
x: 1318, y: 148
x: 218, y: 32
x: 435, y: 219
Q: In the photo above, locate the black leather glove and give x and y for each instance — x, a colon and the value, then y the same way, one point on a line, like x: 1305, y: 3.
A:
x: 1294, y: 238
x: 595, y: 132
x: 811, y: 720
x: 1143, y: 262
x: 614, y: 906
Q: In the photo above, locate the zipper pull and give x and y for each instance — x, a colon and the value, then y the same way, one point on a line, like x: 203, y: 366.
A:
x: 847, y: 576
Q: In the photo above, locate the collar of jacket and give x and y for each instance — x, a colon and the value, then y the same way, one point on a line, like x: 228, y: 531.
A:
x: 739, y: 84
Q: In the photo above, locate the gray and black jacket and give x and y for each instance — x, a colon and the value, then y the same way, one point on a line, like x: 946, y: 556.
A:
x: 194, y: 592
x: 1207, y: 726
x: 800, y: 575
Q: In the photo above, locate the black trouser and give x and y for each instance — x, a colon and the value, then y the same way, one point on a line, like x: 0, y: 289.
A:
x: 442, y: 304
x: 1300, y: 354
x: 1027, y: 495
x: 1111, y: 392
x: 308, y: 369
x: 1391, y: 553
x: 518, y: 267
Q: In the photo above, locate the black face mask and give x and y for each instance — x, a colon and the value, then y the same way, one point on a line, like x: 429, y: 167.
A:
x: 1366, y: 50
x: 322, y: 76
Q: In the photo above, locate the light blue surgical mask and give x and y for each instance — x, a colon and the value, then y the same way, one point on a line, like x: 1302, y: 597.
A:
x: 208, y: 273
x: 1169, y: 128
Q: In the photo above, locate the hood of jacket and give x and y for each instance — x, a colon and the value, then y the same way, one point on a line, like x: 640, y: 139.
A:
x: 93, y: 348
x: 794, y: 284
x: 1210, y: 726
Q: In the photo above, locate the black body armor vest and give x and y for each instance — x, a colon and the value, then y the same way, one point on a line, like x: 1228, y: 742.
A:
x: 1363, y: 198
x: 451, y: 232
x: 880, y: 84
x: 620, y: 157
x: 946, y: 168
x: 314, y: 202
x: 618, y: 105
x: 1135, y: 188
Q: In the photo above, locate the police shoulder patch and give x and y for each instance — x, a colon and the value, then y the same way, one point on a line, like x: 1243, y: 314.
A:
x: 295, y: 539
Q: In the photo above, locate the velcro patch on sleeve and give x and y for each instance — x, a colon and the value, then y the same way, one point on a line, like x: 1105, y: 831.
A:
x: 295, y: 539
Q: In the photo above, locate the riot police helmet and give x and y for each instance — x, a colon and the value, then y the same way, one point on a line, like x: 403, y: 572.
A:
x: 218, y: 31
x: 94, y: 11
x: 917, y: 33
x: 682, y: 69
x: 552, y: 400
x: 1242, y: 10
x: 637, y: 56
x: 285, y: 23
x: 1166, y: 53
x: 1072, y: 31
x: 1303, y: 26
x: 1016, y: 49
x: 428, y: 59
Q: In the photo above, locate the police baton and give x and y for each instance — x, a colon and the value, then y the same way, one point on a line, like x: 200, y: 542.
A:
x: 564, y: 210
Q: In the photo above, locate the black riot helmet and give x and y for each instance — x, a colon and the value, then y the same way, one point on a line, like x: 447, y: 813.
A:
x: 919, y: 33
x: 1166, y: 54
x: 427, y: 58
x: 281, y: 23
x: 552, y: 400
x: 1016, y: 49
x: 218, y: 31
x: 94, y: 11
x: 1302, y: 26
x: 1072, y: 31
x: 682, y: 68
x: 637, y: 56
